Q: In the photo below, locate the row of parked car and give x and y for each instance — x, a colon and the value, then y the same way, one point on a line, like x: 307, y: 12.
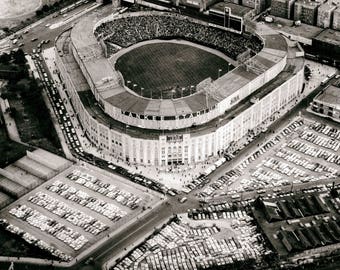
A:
x: 297, y: 159
x: 220, y: 215
x: 141, y: 179
x: 71, y: 214
x: 109, y: 210
x: 326, y: 130
x: 283, y: 167
x: 64, y: 119
x: 181, y: 245
x: 315, y: 152
x: 111, y: 191
x: 314, y: 138
x: 72, y: 238
x: 34, y: 241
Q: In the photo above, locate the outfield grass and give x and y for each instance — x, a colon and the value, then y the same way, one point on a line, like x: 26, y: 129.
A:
x: 165, y: 68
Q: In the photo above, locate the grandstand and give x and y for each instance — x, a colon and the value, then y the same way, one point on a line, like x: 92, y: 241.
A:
x: 167, y: 26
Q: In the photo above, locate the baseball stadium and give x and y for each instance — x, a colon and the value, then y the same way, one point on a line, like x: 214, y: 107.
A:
x: 160, y: 88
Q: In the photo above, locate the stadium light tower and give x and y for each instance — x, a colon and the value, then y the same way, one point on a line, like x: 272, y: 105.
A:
x: 191, y: 88
x: 219, y: 73
x: 11, y: 267
x: 172, y: 93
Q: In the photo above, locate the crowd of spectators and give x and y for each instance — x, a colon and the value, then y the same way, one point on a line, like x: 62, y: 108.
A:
x: 130, y: 29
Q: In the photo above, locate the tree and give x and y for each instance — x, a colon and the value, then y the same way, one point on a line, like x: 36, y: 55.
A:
x: 13, y: 112
x: 5, y: 58
x: 38, y: 13
x: 19, y: 57
x: 45, y: 8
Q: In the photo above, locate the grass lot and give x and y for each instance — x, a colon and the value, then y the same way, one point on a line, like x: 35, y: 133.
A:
x: 32, y: 117
x: 10, y: 150
x: 167, y: 67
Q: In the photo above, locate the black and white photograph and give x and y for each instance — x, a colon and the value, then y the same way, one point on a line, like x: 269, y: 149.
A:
x: 169, y: 135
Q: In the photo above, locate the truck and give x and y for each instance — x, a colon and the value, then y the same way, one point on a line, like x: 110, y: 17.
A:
x: 268, y: 19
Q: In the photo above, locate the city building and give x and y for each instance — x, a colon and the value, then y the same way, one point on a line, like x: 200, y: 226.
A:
x: 325, y: 15
x: 282, y: 8
x: 327, y: 43
x: 327, y: 103
x: 306, y: 11
x: 257, y: 5
x: 336, y: 19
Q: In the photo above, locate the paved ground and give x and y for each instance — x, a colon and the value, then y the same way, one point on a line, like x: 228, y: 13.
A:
x: 149, y: 200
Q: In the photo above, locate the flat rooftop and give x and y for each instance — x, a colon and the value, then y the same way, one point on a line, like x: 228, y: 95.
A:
x: 237, y: 10
x: 307, y: 215
x: 303, y: 30
x: 329, y: 36
x: 331, y: 96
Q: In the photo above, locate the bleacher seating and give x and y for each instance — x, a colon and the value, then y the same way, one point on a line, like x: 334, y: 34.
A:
x: 129, y: 30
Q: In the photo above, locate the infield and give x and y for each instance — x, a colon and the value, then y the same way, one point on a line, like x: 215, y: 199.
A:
x: 168, y: 70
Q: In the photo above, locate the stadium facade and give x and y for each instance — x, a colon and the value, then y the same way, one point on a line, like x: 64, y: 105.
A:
x: 186, y: 130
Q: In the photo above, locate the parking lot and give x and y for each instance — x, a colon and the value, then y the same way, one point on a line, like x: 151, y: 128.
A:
x: 185, y: 243
x: 303, y: 151
x: 75, y: 209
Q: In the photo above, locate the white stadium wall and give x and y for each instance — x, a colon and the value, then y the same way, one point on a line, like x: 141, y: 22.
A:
x: 189, y: 149
x: 182, y: 147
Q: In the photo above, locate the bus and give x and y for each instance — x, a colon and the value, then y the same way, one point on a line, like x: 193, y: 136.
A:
x: 324, y: 81
x: 331, y: 75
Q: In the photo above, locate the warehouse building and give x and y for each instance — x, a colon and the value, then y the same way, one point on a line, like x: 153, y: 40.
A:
x: 327, y: 103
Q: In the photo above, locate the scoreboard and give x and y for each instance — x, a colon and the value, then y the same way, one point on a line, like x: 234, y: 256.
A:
x: 226, y: 19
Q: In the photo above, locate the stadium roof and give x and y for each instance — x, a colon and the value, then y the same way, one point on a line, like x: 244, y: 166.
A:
x: 287, y: 26
x: 106, y: 80
x: 329, y: 36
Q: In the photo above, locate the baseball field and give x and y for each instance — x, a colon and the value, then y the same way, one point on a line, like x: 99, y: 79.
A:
x: 168, y: 70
